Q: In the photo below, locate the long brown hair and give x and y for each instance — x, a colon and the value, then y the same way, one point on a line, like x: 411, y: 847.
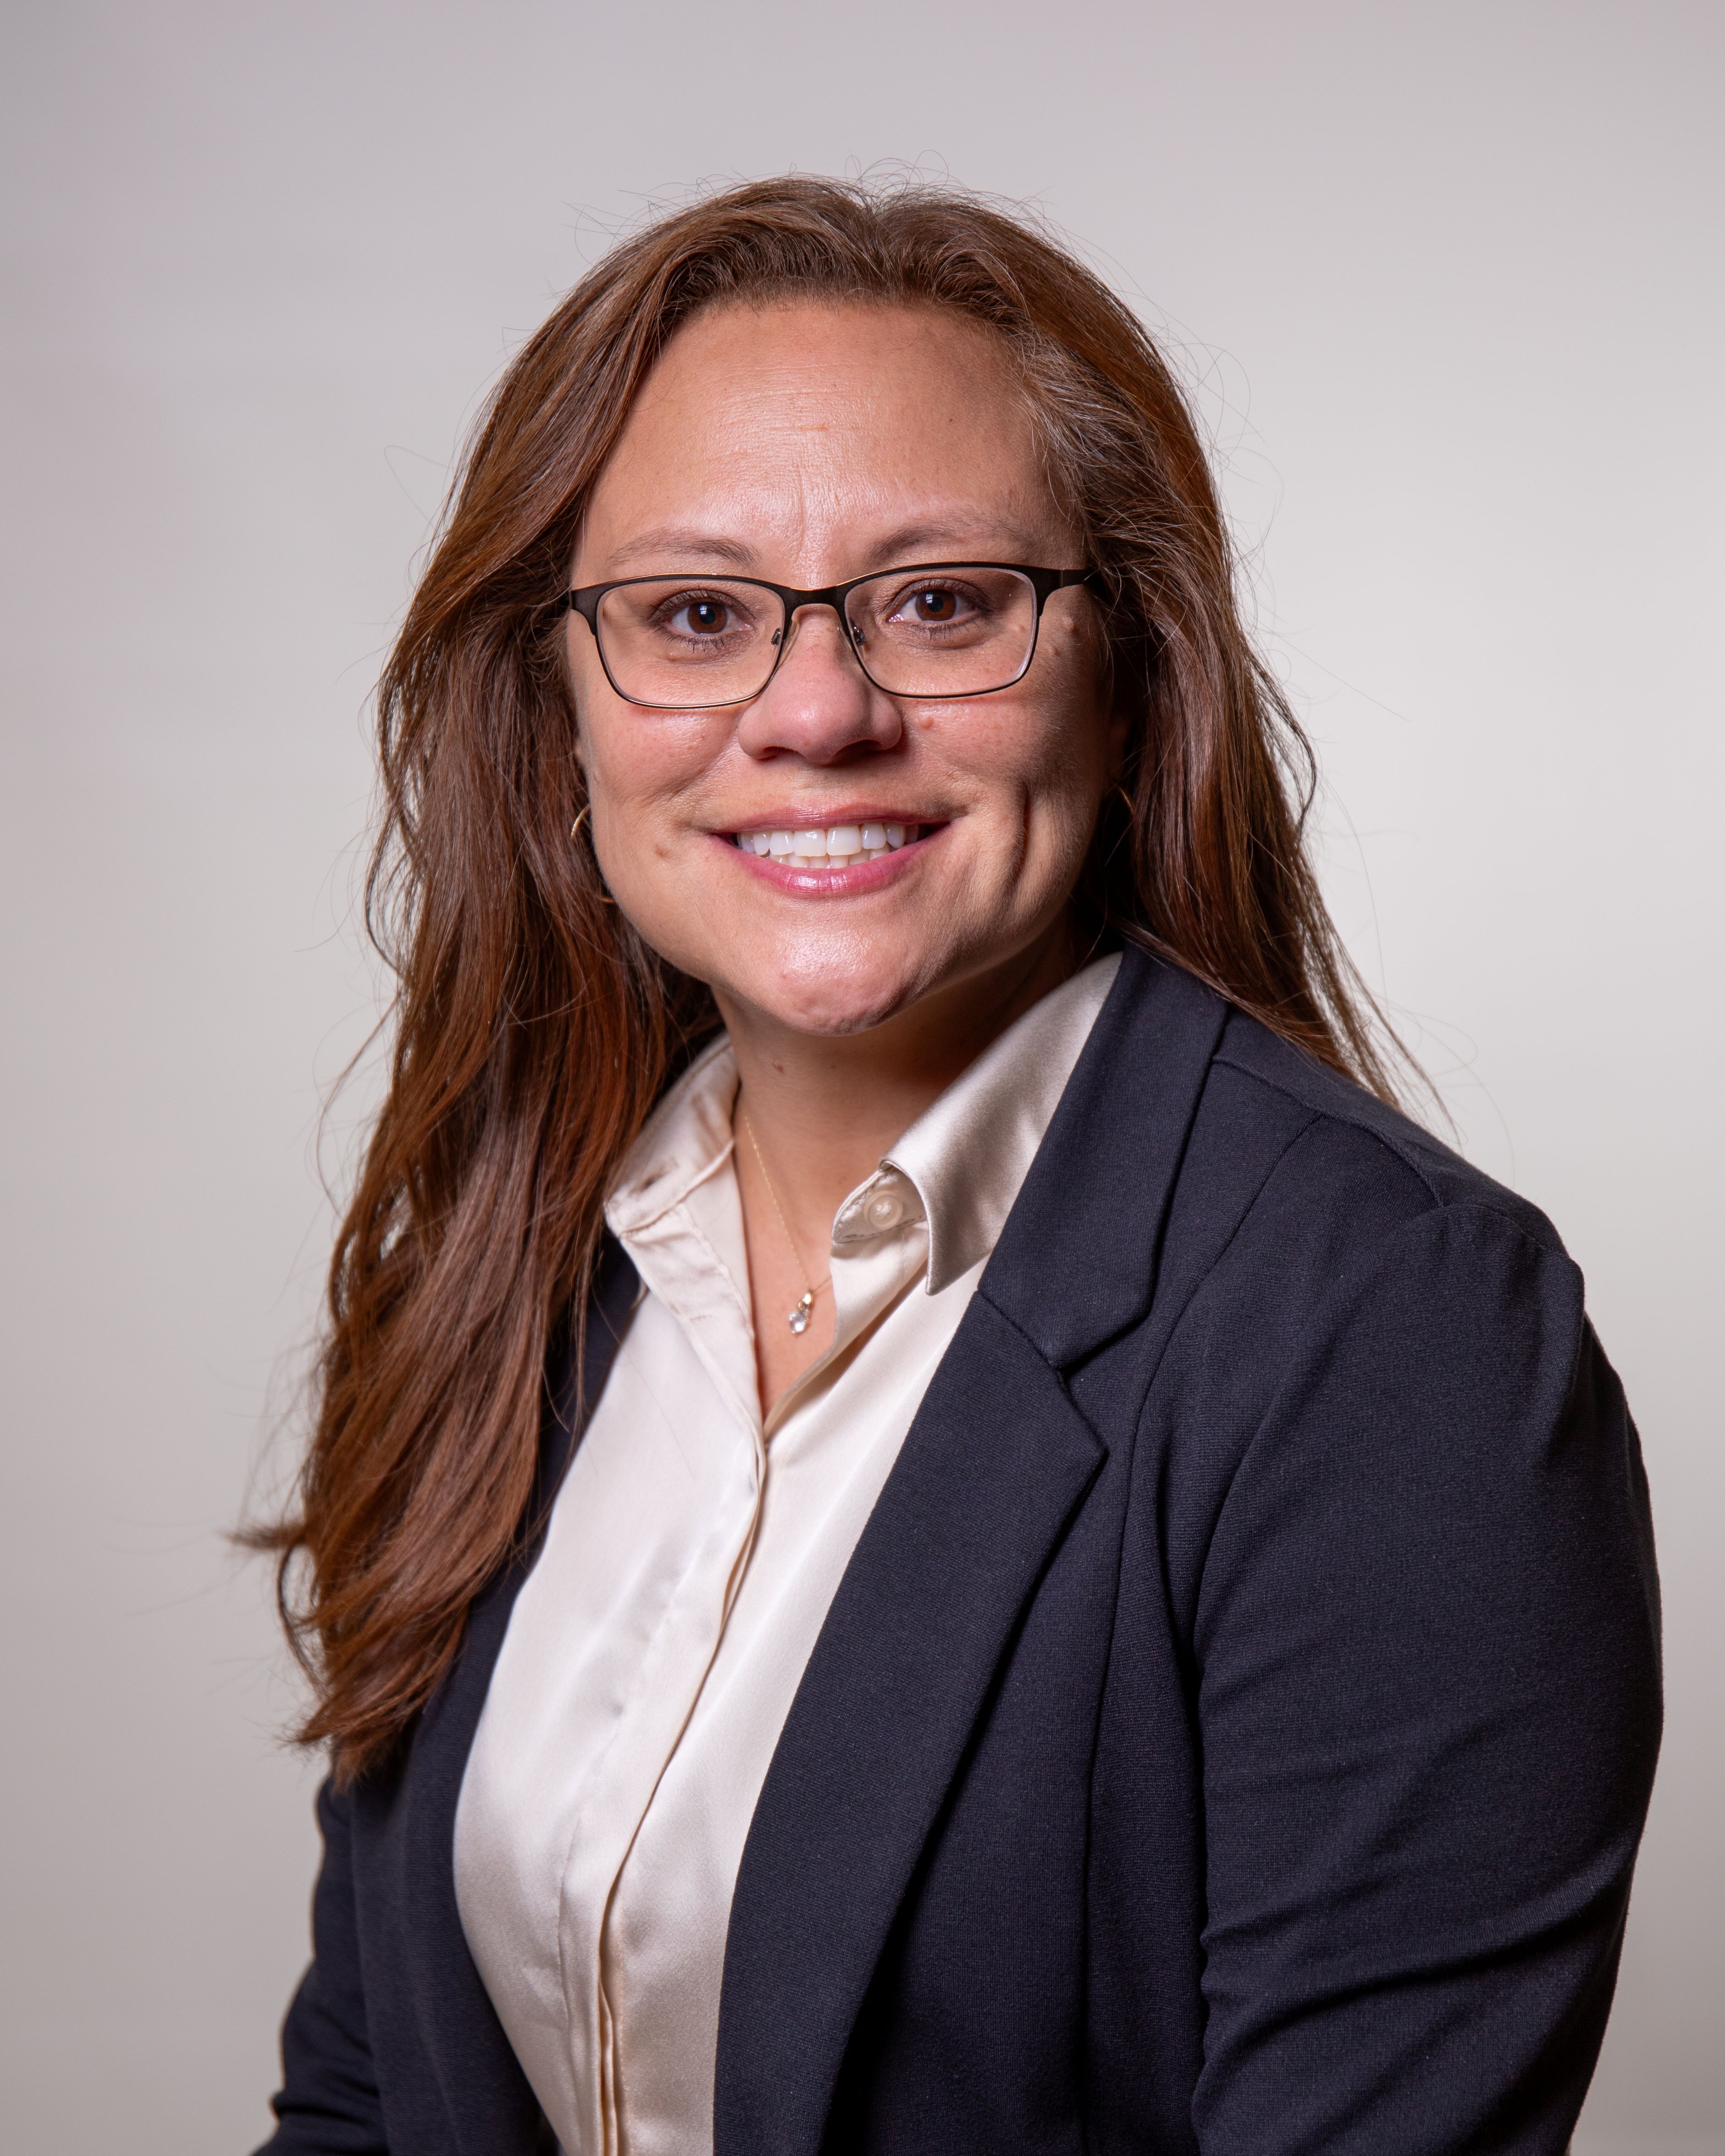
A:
x: 533, y: 1029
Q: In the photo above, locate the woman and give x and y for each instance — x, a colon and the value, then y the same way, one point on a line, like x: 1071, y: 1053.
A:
x: 932, y: 1527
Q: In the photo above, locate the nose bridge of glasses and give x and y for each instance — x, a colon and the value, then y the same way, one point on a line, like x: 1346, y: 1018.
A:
x: 796, y: 604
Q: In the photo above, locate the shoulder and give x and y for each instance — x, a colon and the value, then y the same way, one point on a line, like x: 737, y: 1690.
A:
x: 1371, y: 1356
x: 1312, y: 1225
x: 1331, y: 1149
x: 1196, y: 1156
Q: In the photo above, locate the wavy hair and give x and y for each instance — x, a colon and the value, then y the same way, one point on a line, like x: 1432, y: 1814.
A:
x: 533, y: 1029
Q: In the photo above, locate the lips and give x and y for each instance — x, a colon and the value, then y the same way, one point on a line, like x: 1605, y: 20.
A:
x: 836, y: 846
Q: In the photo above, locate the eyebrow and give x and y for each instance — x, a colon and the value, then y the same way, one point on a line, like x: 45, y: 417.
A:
x: 685, y: 545
x: 911, y: 539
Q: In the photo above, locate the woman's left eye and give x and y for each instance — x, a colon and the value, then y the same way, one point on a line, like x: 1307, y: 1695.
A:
x: 932, y: 605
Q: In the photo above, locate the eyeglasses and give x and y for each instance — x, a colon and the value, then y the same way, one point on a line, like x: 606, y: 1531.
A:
x: 935, y: 629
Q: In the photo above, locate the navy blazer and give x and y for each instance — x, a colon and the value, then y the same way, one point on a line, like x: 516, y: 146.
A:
x: 1233, y: 1728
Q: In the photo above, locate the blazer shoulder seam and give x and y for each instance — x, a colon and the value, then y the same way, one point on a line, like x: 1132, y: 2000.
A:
x: 1322, y: 1113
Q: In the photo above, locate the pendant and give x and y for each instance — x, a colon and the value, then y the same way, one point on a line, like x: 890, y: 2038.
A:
x: 798, y: 1319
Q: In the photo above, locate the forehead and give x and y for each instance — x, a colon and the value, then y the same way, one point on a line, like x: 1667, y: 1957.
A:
x: 807, y: 421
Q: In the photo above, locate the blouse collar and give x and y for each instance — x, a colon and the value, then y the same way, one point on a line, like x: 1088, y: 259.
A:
x: 959, y: 1166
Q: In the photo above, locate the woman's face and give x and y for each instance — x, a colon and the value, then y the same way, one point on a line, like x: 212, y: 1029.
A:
x: 805, y: 444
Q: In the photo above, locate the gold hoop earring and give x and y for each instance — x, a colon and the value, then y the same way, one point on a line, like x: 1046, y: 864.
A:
x: 605, y: 898
x: 1132, y: 806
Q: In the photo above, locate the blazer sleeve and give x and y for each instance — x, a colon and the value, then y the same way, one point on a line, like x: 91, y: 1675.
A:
x: 329, y: 2104
x: 1427, y: 1654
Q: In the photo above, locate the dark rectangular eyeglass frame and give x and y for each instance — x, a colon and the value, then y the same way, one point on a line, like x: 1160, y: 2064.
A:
x: 1044, y: 583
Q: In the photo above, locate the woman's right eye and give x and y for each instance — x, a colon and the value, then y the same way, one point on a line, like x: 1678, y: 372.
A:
x: 708, y: 617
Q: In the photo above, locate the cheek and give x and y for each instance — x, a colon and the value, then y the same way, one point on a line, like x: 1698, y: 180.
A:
x: 622, y: 751
x: 636, y: 760
x: 1053, y: 767
x: 1077, y: 739
x: 624, y: 770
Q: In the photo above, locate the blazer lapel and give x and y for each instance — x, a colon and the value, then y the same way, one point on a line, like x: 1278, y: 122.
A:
x: 995, y: 1466
x: 1078, y: 1260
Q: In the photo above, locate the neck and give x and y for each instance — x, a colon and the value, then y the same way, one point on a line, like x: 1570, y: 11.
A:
x: 824, y: 1109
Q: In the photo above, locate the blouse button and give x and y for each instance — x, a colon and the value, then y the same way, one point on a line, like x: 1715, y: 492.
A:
x: 883, y: 1209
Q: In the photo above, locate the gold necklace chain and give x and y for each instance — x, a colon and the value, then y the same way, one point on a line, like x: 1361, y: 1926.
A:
x: 797, y: 1319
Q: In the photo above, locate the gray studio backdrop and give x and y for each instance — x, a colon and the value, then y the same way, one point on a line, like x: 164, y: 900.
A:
x: 1445, y: 283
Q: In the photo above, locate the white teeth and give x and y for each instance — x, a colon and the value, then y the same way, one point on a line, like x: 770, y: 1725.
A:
x: 838, y: 846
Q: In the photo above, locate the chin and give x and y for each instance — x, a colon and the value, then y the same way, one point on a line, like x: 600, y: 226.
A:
x: 833, y: 1016
x: 831, y: 999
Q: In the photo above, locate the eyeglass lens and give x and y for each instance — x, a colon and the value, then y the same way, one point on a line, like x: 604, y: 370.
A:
x: 688, y: 642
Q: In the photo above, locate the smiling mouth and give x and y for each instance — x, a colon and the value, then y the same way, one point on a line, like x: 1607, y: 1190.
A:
x: 839, y: 846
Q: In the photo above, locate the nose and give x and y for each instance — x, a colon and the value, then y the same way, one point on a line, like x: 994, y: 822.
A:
x: 819, y: 705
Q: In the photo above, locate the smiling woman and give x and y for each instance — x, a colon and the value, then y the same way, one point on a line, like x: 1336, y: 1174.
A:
x: 932, y: 1526
x: 821, y: 439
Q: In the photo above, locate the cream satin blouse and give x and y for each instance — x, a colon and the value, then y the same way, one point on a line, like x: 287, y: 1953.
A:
x: 652, y: 1653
